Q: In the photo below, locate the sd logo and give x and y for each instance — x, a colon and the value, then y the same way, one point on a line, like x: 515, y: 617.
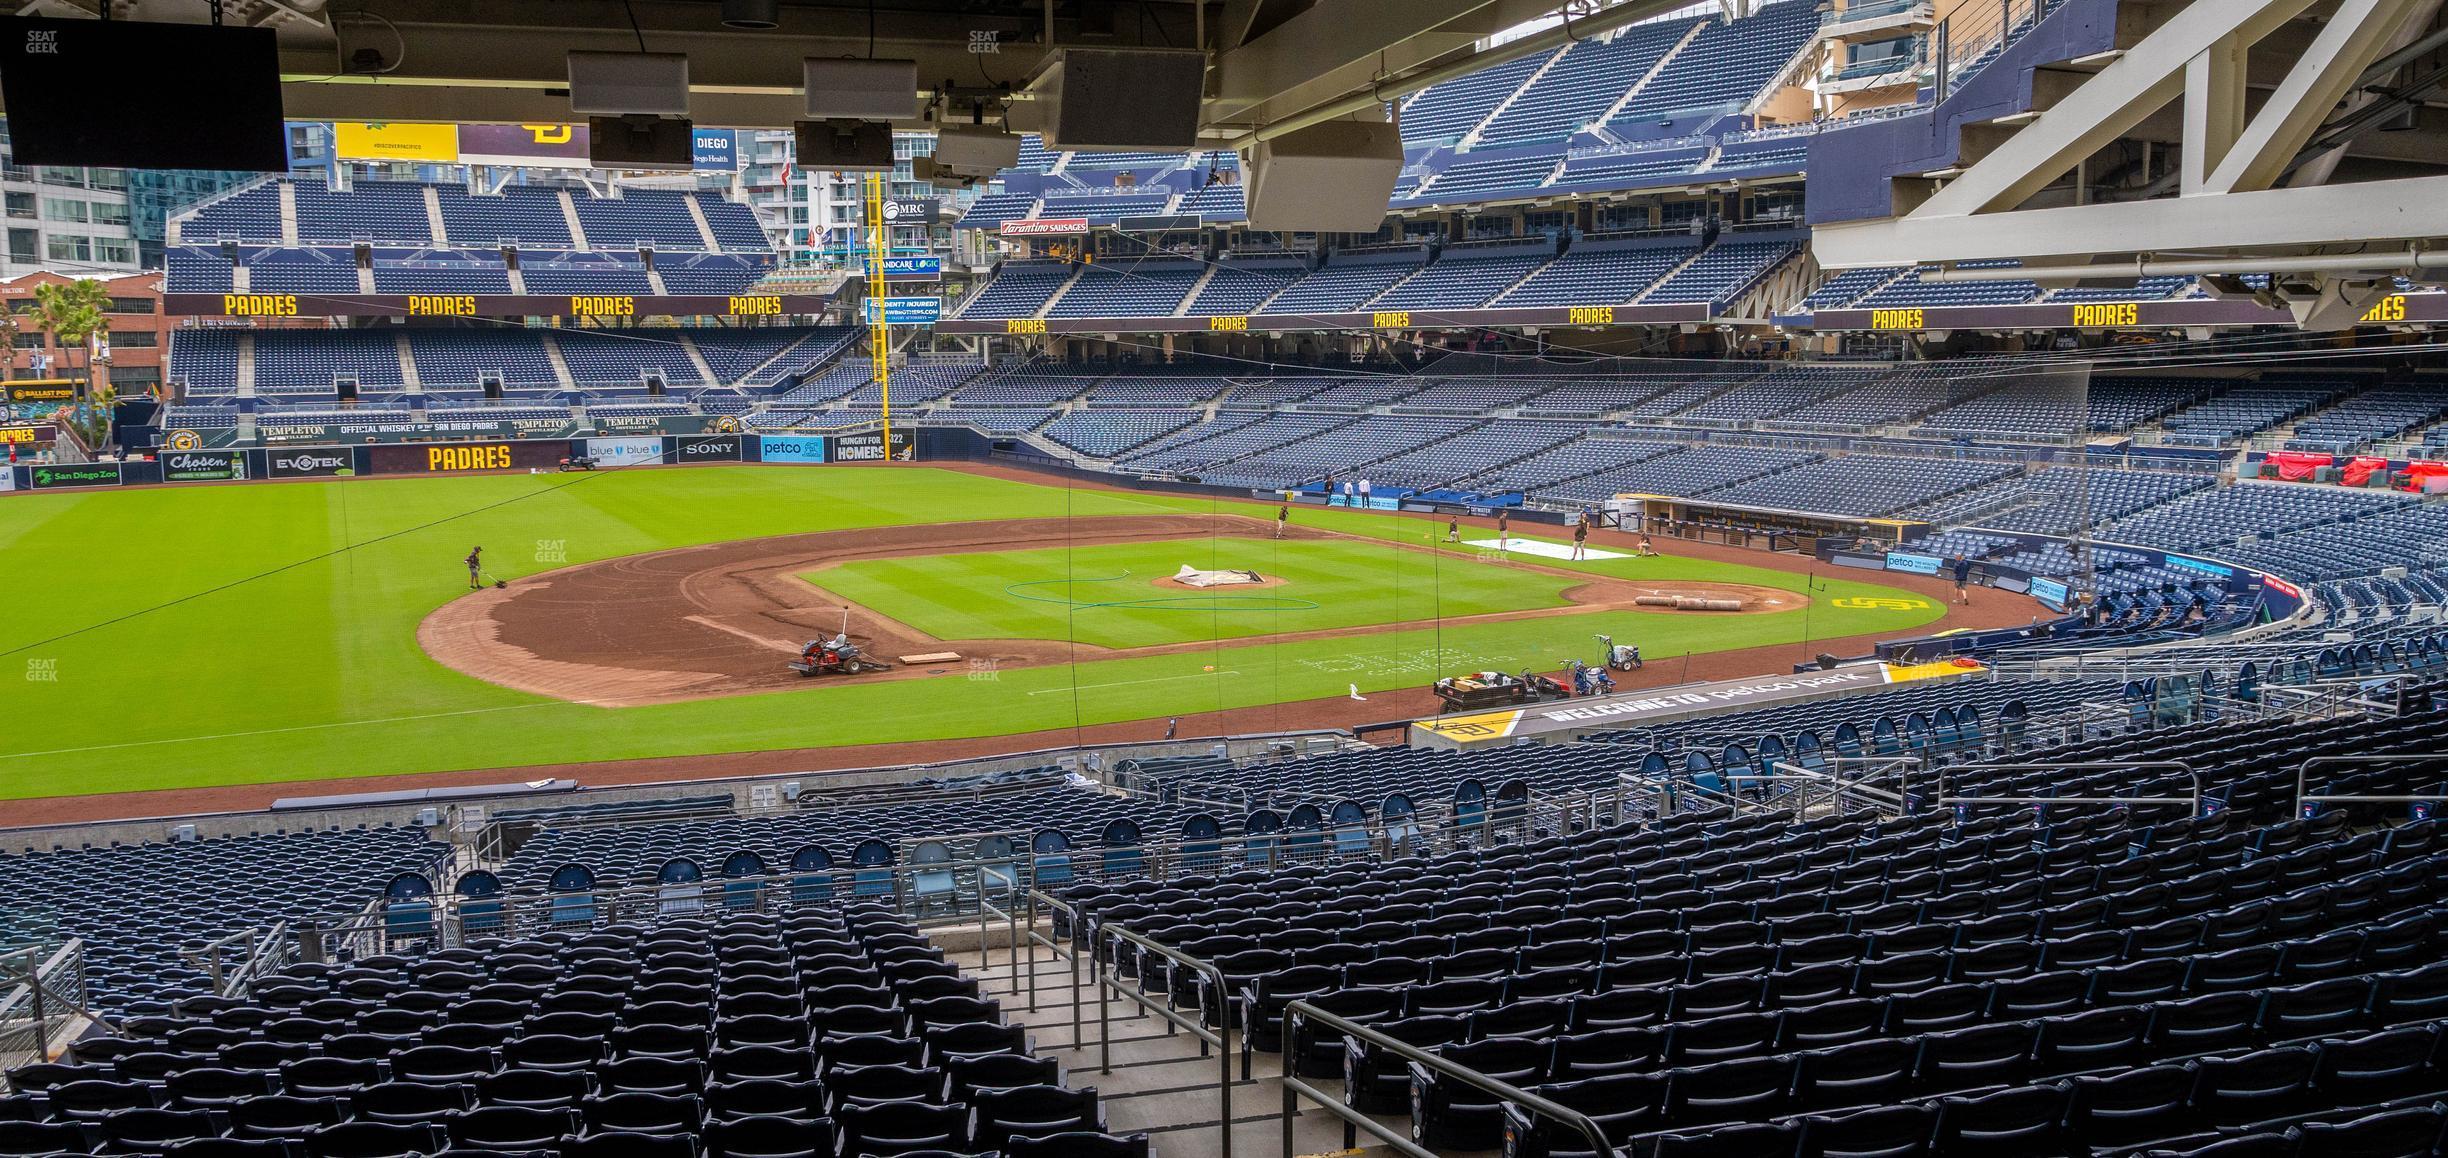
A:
x: 184, y: 440
x: 1873, y: 603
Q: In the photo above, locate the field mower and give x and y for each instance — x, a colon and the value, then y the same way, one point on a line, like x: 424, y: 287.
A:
x: 578, y: 462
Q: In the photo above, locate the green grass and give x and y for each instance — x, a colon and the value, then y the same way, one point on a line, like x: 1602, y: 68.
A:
x: 1106, y: 595
x: 266, y: 632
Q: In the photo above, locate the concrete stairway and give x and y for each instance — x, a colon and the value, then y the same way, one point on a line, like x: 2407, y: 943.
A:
x: 1150, y: 1076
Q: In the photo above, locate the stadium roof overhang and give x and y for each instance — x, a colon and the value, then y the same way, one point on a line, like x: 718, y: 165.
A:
x: 2262, y: 117
x: 503, y: 60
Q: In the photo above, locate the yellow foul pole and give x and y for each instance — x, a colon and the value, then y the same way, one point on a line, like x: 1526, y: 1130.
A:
x: 879, y: 331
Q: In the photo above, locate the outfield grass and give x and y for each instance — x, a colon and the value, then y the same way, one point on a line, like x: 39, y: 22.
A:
x: 1107, y: 595
x: 175, y: 637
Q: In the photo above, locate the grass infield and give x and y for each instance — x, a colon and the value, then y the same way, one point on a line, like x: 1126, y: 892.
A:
x: 169, y: 637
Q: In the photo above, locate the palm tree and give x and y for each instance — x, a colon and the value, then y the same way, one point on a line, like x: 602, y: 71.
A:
x: 72, y: 313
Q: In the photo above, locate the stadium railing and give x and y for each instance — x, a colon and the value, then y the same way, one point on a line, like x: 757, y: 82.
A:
x: 1294, y: 1089
x: 43, y: 993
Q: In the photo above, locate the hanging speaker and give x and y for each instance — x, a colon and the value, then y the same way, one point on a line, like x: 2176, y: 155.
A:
x: 846, y: 146
x: 1329, y: 178
x: 1121, y: 98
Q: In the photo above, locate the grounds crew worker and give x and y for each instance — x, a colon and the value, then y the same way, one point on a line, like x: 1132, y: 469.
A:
x: 475, y: 562
x: 1283, y: 518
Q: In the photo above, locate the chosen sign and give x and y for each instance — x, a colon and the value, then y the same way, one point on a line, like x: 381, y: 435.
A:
x: 203, y: 465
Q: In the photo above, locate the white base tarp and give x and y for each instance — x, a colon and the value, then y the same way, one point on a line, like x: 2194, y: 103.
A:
x: 1541, y: 548
x: 1190, y: 576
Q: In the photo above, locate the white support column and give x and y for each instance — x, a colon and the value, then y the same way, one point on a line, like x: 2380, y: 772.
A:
x: 2328, y: 70
x: 2213, y: 110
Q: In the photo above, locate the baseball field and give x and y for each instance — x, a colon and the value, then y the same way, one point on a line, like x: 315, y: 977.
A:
x: 181, y: 637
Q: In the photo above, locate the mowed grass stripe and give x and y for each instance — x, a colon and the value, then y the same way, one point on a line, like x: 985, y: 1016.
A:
x: 1018, y: 594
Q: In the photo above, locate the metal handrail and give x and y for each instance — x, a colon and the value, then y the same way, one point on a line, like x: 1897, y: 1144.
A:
x: 1035, y: 898
x: 2201, y: 784
x: 2303, y: 774
x: 1295, y: 1089
x: 1217, y: 1037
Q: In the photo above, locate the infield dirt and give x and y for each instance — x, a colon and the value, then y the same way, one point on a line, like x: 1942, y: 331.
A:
x: 725, y: 619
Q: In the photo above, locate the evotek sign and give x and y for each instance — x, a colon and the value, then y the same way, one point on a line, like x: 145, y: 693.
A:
x: 310, y: 462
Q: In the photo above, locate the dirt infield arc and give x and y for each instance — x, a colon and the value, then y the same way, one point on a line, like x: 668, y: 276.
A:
x: 724, y: 619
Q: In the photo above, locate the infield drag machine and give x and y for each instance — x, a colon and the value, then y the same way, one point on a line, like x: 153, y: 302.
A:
x: 835, y: 656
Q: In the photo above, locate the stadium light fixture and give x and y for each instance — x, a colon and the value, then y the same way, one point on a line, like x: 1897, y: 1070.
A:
x: 751, y: 15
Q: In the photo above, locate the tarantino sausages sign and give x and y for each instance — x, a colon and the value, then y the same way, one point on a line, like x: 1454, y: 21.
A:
x: 466, y: 457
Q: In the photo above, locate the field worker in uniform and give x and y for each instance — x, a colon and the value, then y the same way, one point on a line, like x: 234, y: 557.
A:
x: 1963, y: 580
x: 1580, y: 537
x: 1504, y: 525
x: 1283, y: 516
x: 1453, y: 528
x: 475, y: 562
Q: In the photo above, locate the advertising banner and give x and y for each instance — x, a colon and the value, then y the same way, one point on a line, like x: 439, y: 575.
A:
x: 714, y: 149
x: 466, y: 457
x: 870, y: 447
x: 539, y: 146
x: 28, y: 434
x: 1045, y: 226
x: 912, y: 211
x: 383, y: 429
x: 913, y: 269
x: 1913, y: 564
x: 790, y: 448
x: 84, y: 474
x: 2181, y: 563
x: 203, y: 465
x: 2050, y: 592
x: 310, y: 462
x: 8, y: 478
x: 628, y: 451
x: 40, y: 390
x: 394, y: 141
x: 906, y: 311
x: 706, y: 448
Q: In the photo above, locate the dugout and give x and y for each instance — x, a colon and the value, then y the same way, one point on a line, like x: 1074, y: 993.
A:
x: 1760, y: 528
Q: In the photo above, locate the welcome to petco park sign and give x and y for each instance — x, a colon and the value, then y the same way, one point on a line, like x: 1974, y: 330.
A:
x: 1555, y: 721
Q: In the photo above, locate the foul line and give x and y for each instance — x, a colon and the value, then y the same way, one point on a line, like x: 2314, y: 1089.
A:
x: 1126, y: 683
x: 296, y: 728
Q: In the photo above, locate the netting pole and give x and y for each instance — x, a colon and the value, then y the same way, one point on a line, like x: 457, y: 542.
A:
x: 879, y: 324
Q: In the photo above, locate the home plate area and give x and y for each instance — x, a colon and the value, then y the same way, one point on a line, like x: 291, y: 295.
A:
x: 1541, y: 548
